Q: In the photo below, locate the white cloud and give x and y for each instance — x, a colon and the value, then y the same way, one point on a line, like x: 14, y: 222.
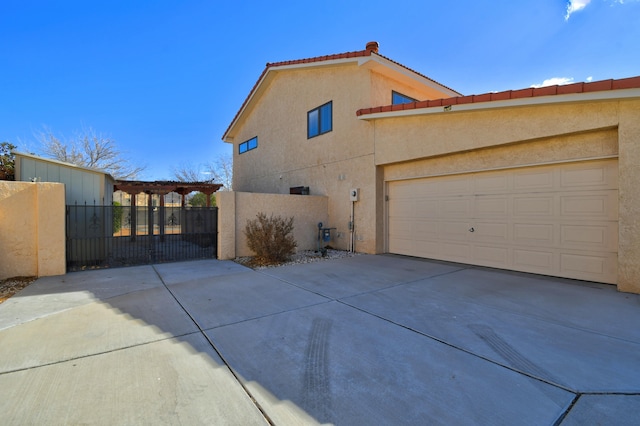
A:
x: 589, y: 79
x: 554, y: 81
x: 576, y: 5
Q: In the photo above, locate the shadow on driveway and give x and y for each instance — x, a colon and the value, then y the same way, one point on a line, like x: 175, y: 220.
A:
x: 368, y: 339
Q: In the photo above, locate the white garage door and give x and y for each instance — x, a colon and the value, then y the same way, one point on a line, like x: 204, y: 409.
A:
x: 556, y: 220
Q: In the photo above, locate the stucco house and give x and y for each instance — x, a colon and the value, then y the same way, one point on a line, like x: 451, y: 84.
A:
x: 542, y: 180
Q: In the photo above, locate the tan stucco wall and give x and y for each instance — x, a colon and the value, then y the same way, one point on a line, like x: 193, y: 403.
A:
x: 414, y: 137
x: 235, y: 208
x: 629, y: 197
x: 595, y: 144
x: 32, y: 226
x: 449, y: 143
x: 330, y: 164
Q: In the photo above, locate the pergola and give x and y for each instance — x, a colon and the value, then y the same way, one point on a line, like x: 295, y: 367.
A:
x: 162, y: 188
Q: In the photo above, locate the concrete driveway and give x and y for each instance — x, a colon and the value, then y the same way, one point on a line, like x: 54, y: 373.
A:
x: 361, y: 340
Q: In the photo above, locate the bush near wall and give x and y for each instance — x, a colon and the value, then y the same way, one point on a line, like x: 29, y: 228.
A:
x: 270, y: 238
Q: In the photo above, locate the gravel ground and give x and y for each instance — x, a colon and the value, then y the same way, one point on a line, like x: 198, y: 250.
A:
x: 11, y: 286
x: 308, y: 256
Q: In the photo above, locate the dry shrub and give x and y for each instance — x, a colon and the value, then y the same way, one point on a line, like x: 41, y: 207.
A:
x: 270, y: 238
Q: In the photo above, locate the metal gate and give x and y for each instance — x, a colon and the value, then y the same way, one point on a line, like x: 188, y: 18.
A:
x: 112, y: 236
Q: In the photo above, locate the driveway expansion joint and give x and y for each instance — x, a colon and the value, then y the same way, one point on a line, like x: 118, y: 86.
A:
x: 218, y: 352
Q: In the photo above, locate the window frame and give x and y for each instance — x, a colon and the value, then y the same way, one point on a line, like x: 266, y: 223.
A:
x: 318, y: 121
x: 248, y: 145
x: 408, y: 99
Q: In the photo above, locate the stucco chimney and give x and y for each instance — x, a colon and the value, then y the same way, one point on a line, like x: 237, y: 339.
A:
x: 372, y: 46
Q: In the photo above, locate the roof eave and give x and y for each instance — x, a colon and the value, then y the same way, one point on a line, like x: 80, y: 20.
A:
x: 403, y: 73
x: 508, y: 103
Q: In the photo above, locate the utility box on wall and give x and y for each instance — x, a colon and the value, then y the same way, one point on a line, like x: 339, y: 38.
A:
x: 354, y: 194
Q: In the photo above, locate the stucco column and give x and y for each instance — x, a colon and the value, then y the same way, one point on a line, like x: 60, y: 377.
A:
x: 50, y: 219
x: 226, y: 202
x: 629, y: 197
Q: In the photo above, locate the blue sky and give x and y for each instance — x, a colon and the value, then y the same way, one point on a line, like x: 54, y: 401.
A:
x: 165, y: 78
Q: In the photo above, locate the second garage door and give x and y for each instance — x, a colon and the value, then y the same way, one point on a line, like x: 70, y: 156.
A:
x: 556, y: 220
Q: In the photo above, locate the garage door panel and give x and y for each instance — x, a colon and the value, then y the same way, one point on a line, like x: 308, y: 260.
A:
x: 491, y: 206
x: 428, y: 208
x: 589, y: 265
x: 536, y: 234
x: 454, y: 252
x: 432, y: 249
x: 601, y: 237
x: 453, y: 186
x: 595, y: 175
x: 491, y: 183
x: 537, y: 261
x: 555, y: 219
x: 453, y: 231
x: 402, y: 246
x: 402, y: 208
x: 400, y: 228
x: 425, y: 230
x: 494, y: 256
x: 402, y: 191
x: 533, y: 206
x: 590, y: 206
x: 456, y: 207
x: 533, y: 180
x: 490, y: 232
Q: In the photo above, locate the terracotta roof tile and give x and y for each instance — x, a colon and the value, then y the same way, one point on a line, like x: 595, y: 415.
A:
x: 485, y: 97
x: 626, y: 83
x: 566, y: 89
x: 501, y: 96
x: 522, y: 93
x: 595, y: 86
x: 598, y: 86
x: 545, y: 91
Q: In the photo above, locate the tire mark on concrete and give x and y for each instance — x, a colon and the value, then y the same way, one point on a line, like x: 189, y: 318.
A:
x: 316, y: 386
x: 513, y: 357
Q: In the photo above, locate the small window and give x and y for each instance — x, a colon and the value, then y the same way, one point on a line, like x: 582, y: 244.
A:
x: 320, y: 120
x: 399, y: 98
x: 248, y: 145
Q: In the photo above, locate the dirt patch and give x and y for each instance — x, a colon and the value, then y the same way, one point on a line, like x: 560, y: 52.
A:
x: 10, y: 286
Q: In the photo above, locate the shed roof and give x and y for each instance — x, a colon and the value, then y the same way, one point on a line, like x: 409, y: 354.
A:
x: 62, y: 163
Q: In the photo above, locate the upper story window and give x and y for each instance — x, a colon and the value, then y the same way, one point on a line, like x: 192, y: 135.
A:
x: 399, y: 98
x: 248, y: 145
x: 320, y: 120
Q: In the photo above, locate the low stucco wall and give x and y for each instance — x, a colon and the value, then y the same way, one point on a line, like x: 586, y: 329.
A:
x: 235, y: 208
x: 32, y: 223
